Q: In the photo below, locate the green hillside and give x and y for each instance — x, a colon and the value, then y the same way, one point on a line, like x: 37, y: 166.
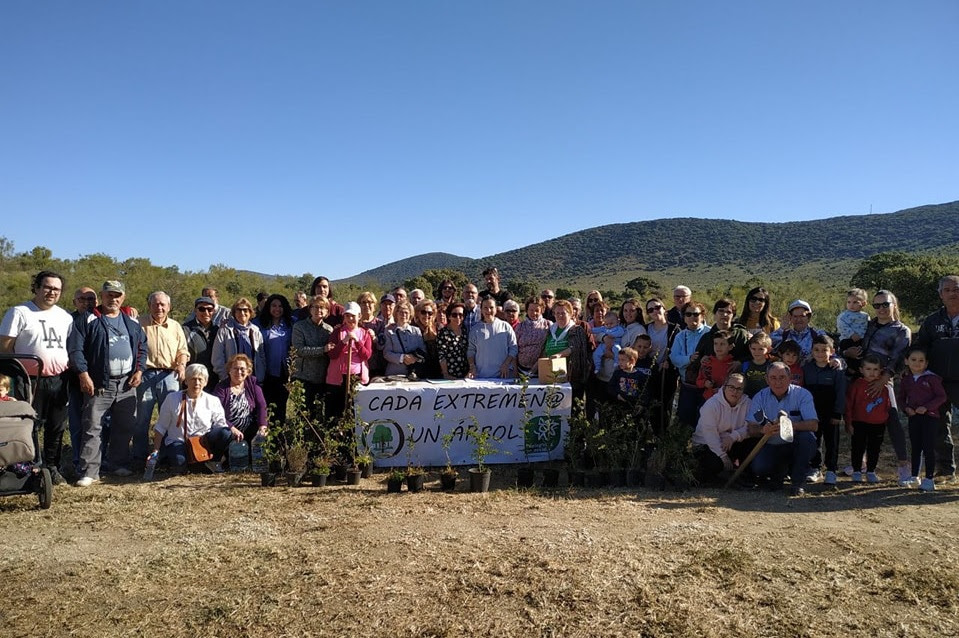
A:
x: 704, y: 251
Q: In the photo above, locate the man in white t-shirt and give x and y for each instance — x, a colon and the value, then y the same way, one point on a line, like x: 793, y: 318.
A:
x: 39, y: 327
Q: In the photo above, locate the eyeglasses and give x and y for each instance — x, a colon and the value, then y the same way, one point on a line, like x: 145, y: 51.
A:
x: 244, y: 310
x: 654, y: 308
x: 456, y: 314
x: 692, y: 314
x: 734, y: 388
x: 50, y: 289
x: 317, y: 308
x: 428, y: 313
x: 204, y: 308
x: 882, y: 304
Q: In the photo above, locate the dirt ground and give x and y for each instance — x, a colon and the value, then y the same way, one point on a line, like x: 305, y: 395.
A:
x: 221, y: 556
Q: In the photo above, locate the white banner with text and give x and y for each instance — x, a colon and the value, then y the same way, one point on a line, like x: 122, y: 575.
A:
x: 407, y: 423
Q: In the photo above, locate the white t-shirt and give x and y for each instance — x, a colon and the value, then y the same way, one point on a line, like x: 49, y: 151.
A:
x: 42, y: 333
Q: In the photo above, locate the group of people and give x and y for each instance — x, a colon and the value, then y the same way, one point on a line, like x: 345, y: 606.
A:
x: 105, y: 369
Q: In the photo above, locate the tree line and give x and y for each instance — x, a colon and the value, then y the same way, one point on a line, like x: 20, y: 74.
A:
x: 911, y: 276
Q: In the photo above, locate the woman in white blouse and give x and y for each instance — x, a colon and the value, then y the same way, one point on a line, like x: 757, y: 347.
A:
x: 192, y: 412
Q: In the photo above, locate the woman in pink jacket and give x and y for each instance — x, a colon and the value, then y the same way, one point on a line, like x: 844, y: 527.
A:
x: 353, y: 347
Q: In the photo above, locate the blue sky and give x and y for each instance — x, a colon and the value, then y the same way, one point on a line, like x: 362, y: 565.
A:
x: 333, y: 137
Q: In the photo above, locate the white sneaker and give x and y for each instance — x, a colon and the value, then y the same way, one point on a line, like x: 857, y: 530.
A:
x: 872, y: 477
x: 814, y: 477
x: 905, y: 478
x: 927, y: 485
x: 830, y: 478
x: 86, y: 481
x: 122, y: 471
x: 857, y: 477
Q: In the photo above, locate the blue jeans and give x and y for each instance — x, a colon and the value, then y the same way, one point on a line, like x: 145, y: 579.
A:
x: 174, y: 453
x: 75, y: 419
x: 774, y: 460
x: 120, y: 400
x: 154, y: 387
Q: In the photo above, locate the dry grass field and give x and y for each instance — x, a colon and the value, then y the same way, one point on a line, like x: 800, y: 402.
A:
x: 221, y: 556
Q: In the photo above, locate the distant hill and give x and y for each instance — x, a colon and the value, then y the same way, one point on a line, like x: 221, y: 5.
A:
x: 615, y: 251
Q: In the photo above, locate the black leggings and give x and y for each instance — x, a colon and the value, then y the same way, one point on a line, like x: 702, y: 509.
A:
x: 866, y: 437
x: 923, y: 430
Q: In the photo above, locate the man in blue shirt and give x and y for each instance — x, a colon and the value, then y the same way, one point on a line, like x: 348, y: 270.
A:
x: 782, y: 398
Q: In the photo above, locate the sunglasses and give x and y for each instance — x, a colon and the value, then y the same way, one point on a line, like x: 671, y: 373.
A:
x: 736, y: 388
x: 757, y: 300
x: 448, y: 288
x: 882, y: 304
x: 654, y: 308
x: 547, y: 297
x: 692, y: 314
x: 456, y: 314
x: 244, y: 310
x: 428, y: 313
x: 86, y: 299
x: 204, y: 309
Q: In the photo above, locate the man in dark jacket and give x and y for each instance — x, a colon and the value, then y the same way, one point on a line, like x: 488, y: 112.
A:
x: 108, y: 352
x: 200, y: 333
x: 939, y: 337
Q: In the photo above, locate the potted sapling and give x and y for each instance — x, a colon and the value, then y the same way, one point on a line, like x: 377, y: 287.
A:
x: 483, y: 446
x: 394, y: 481
x: 449, y: 474
x: 296, y: 459
x: 526, y: 474
x: 415, y: 475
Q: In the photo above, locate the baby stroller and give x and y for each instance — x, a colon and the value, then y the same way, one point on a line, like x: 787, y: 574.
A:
x: 20, y: 464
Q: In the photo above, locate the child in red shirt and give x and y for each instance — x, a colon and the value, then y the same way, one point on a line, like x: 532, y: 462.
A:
x: 715, y: 368
x: 866, y: 418
x: 790, y: 353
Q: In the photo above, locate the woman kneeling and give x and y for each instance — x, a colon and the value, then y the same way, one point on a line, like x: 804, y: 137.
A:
x: 190, y: 413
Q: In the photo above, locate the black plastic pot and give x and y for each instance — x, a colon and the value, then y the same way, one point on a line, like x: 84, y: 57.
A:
x: 414, y: 482
x: 617, y: 477
x: 550, y: 477
x: 339, y: 472
x: 394, y: 486
x: 293, y: 479
x: 366, y: 469
x: 448, y: 482
x: 479, y: 480
x: 525, y: 477
x: 577, y: 478
x: 268, y: 479
x: 353, y: 476
x: 635, y: 477
x: 319, y: 480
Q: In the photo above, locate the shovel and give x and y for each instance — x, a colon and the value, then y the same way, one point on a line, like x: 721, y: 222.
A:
x: 785, y: 433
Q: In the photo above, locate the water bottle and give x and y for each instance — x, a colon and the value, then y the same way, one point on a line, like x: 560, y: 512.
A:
x: 259, y: 454
x: 150, y: 466
x: 239, y: 456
